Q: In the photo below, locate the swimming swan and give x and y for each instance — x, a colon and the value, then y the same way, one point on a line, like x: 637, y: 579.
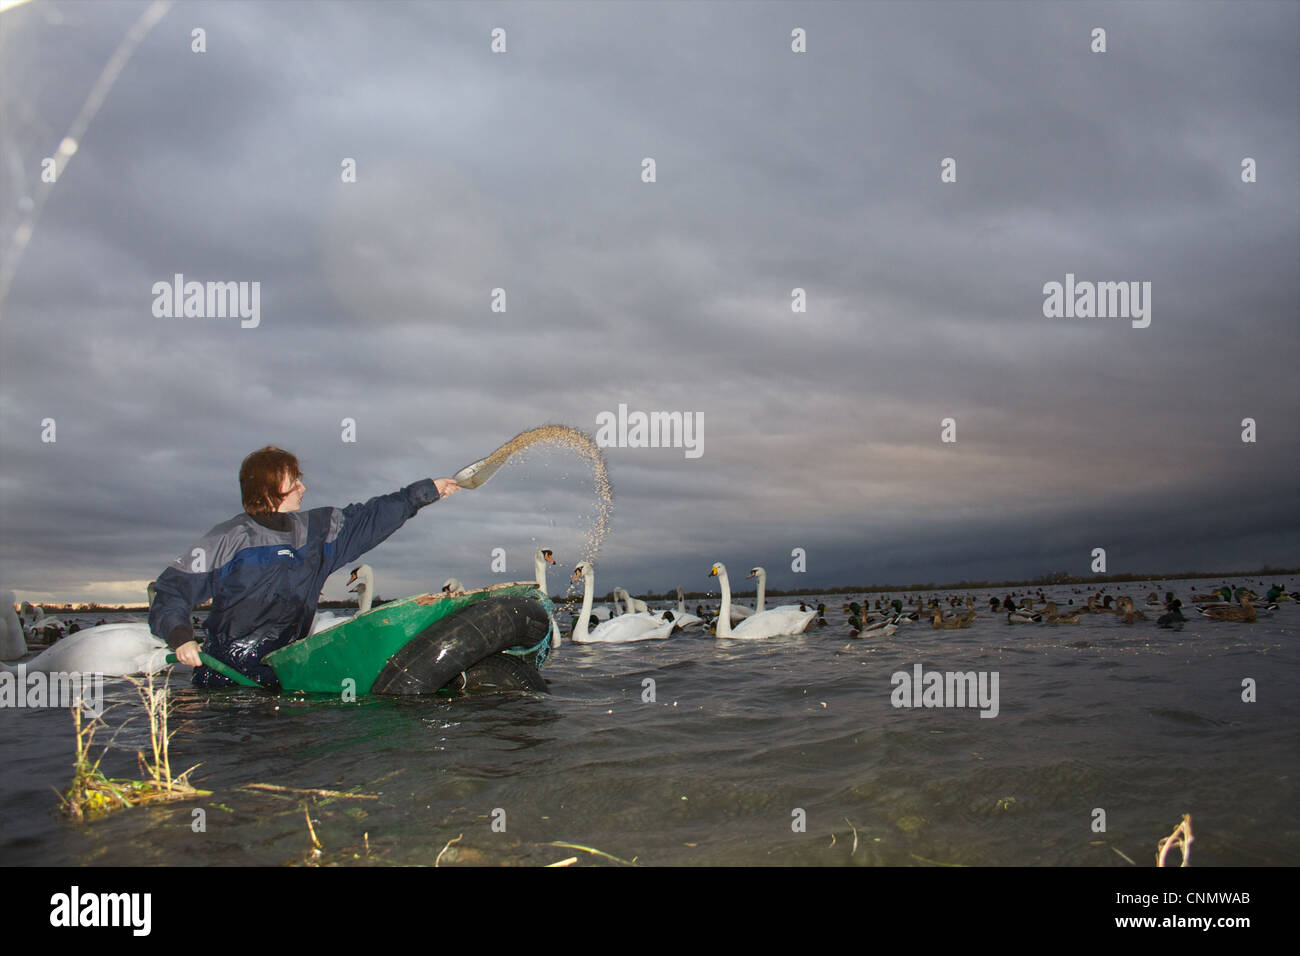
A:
x: 13, y: 643
x: 765, y: 624
x: 618, y: 630
x: 363, y: 576
x: 114, y: 650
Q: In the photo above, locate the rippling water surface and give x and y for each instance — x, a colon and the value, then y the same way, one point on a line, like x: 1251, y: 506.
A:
x: 1145, y: 724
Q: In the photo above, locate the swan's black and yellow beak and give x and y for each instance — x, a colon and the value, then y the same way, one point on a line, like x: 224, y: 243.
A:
x: 546, y: 553
x: 713, y: 571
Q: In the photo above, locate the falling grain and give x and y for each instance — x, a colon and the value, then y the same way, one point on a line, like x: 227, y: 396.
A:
x: 578, y: 441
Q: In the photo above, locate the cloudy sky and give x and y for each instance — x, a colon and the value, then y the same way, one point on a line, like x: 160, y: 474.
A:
x: 774, y: 170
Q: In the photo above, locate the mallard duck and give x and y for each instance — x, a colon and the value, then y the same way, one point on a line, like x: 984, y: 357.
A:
x: 1242, y: 612
x: 939, y: 622
x: 1054, y: 618
x: 1125, y: 609
x: 1174, y: 619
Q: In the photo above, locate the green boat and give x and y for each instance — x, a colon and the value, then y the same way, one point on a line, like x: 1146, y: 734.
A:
x: 494, y: 638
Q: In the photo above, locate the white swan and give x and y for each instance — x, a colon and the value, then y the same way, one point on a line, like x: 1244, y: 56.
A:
x: 541, y: 558
x: 363, y: 576
x: 619, y: 630
x: 13, y: 643
x: 759, y: 606
x: 683, y: 617
x: 452, y: 586
x: 363, y: 585
x: 766, y: 624
x: 114, y: 650
x: 634, y: 605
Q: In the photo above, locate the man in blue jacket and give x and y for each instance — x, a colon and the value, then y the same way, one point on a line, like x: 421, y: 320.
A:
x: 264, y: 569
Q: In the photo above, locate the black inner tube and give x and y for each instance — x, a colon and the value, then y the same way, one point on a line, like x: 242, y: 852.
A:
x: 463, y: 651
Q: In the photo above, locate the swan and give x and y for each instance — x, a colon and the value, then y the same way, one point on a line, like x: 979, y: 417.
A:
x: 453, y: 586
x: 683, y: 617
x: 13, y: 643
x: 761, y: 574
x: 634, y: 605
x: 363, y: 576
x: 541, y: 558
x: 619, y: 630
x: 114, y: 650
x: 760, y: 625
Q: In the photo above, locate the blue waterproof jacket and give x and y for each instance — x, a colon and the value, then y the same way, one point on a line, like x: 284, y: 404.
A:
x: 264, y: 575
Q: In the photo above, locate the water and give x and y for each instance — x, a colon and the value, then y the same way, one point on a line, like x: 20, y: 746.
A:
x: 1143, y: 723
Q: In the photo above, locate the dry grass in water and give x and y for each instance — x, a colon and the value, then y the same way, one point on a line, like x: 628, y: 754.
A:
x: 1181, y: 838
x: 92, y: 794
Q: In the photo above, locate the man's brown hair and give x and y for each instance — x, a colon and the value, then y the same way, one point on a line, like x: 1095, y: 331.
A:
x: 261, y: 475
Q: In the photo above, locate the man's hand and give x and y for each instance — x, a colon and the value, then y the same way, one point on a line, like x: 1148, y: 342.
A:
x: 189, y: 654
x: 446, y: 486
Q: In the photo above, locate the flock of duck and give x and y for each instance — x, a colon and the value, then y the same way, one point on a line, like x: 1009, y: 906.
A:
x: 127, y: 648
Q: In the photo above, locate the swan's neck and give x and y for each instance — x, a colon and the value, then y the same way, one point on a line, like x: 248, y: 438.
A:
x: 681, y: 603
x: 367, y: 592
x: 724, y: 616
x: 762, y: 591
x: 539, y: 567
x: 580, y: 629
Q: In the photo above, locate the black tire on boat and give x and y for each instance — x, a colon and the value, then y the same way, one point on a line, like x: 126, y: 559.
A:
x: 463, y: 651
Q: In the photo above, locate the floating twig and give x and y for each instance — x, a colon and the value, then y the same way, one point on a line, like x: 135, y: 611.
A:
x: 1181, y: 838
x: 310, y: 792
x: 587, y: 849
x: 445, y: 848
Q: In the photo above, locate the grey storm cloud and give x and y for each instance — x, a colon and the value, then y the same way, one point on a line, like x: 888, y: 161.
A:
x: 774, y: 171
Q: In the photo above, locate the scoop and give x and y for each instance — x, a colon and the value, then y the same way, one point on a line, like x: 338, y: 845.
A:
x: 473, y: 475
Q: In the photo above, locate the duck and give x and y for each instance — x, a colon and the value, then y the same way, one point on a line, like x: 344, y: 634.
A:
x: 773, y: 623
x: 1052, y: 617
x: 1024, y: 617
x: 880, y: 629
x: 1174, y: 619
x: 939, y: 622
x: 1242, y: 612
x: 619, y: 630
x: 1125, y: 609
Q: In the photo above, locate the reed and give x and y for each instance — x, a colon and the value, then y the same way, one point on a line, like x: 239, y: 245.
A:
x: 93, y: 794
